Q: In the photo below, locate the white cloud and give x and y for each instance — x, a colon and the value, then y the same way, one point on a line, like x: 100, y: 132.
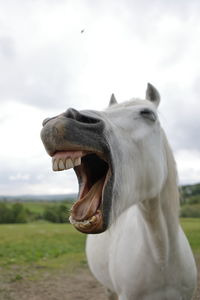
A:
x: 19, y: 177
x: 188, y: 163
x: 47, y: 65
x: 25, y: 166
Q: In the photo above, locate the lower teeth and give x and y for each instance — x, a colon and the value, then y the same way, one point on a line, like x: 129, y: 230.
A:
x: 84, y: 223
x: 73, y: 222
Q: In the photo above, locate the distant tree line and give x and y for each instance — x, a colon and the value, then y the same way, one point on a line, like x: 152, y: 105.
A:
x: 190, y: 201
x: 58, y: 212
x: 16, y: 213
x: 190, y: 194
x: 190, y: 211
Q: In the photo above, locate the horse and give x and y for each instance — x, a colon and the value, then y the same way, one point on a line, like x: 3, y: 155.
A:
x: 128, y: 201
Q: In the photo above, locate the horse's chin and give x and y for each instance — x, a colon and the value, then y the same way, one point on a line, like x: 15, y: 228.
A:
x: 93, y: 173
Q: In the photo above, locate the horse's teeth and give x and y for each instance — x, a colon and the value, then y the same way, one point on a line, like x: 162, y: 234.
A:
x: 61, y: 165
x: 82, y: 226
x: 93, y: 219
x: 68, y: 164
x: 86, y: 225
x: 55, y: 165
x: 77, y: 162
x: 82, y: 223
x: 65, y: 163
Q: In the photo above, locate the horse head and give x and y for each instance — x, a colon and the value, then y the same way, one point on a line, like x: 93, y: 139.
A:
x: 118, y: 156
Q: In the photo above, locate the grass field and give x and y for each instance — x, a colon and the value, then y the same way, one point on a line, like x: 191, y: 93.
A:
x: 38, y: 261
x: 191, y: 228
x: 38, y: 207
x: 45, y: 244
x: 52, y: 245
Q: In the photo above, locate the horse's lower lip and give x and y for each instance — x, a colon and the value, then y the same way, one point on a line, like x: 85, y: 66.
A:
x: 93, y: 225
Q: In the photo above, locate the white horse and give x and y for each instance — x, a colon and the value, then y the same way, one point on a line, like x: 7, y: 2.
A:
x: 128, y: 195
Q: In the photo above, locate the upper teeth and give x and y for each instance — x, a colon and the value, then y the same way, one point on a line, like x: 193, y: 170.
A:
x: 69, y: 164
x: 77, y: 161
x: 59, y: 164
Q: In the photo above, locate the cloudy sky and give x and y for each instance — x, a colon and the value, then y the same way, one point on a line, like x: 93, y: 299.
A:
x: 48, y: 65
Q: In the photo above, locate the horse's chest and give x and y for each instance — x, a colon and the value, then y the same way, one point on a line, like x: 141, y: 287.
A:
x: 123, y: 260
x: 119, y: 255
x: 119, y: 264
x: 134, y: 266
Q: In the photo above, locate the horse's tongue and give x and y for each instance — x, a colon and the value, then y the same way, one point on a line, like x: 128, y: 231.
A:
x: 86, y: 207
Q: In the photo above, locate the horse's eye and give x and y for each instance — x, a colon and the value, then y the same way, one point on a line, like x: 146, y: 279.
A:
x: 148, y: 114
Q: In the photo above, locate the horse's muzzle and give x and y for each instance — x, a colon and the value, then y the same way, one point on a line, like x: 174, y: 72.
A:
x: 72, y: 130
x: 77, y: 140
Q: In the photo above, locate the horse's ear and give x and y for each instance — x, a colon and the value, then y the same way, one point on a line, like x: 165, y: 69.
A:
x: 112, y: 100
x: 152, y: 94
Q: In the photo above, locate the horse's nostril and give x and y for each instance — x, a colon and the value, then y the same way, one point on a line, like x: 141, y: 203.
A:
x: 45, y: 121
x: 71, y: 113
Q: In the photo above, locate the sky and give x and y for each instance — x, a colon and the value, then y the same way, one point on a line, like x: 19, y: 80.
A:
x: 56, y: 54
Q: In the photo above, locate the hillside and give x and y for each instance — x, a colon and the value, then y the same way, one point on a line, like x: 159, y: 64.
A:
x: 22, y: 198
x: 189, y: 194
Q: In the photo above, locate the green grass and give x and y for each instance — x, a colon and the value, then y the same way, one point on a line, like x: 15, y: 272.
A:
x: 44, y: 244
x: 36, y: 207
x: 59, y: 245
x: 190, y: 211
x: 191, y: 228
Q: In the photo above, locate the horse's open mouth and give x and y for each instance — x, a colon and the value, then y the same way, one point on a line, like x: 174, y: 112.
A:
x: 93, y: 173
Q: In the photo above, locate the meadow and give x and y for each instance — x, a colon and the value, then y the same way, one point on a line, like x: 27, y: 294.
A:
x: 191, y: 228
x: 33, y: 251
x: 54, y: 246
x: 44, y: 244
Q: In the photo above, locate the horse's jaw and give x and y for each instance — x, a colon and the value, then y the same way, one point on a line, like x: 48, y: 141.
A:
x: 92, y: 164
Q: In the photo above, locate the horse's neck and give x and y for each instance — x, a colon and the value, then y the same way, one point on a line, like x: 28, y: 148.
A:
x: 160, y: 215
x: 161, y: 224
